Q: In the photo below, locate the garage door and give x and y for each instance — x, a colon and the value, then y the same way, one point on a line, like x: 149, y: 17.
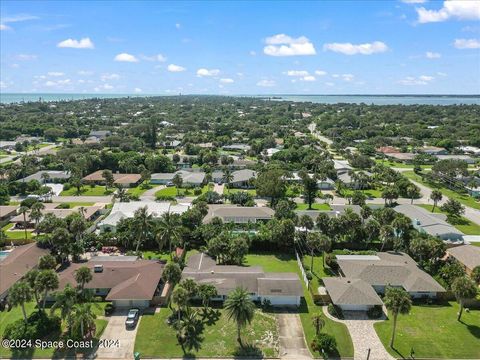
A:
x: 283, y: 300
x: 131, y: 303
x: 354, y: 307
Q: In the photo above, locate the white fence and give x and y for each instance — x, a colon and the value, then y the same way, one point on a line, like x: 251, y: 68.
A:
x: 300, y: 265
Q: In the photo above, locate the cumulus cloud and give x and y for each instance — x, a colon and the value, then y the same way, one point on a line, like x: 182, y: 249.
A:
x: 178, y: 25
x: 266, y: 83
x: 226, y: 81
x: 284, y: 45
x: 207, y: 72
x: 297, y: 73
x: 344, y: 77
x: 467, y: 44
x: 452, y: 9
x: 55, y: 73
x: 320, y: 72
x: 158, y: 57
x: 107, y: 76
x: 4, y: 27
x: 58, y: 83
x: 432, y: 55
x: 137, y: 90
x: 308, y: 78
x: 84, y: 43
x: 175, y: 68
x: 26, y: 57
x: 353, y: 49
x: 85, y: 72
x: 125, y: 57
x: 421, y: 80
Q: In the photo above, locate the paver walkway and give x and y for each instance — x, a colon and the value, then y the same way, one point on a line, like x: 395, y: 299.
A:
x: 364, y: 336
x: 292, y: 339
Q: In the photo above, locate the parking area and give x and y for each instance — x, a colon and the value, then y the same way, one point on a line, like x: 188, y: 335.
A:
x: 116, y: 330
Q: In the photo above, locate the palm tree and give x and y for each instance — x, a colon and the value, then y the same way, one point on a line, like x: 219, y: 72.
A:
x: 318, y: 323
x: 47, y: 280
x: 172, y: 273
x: 227, y: 177
x: 142, y: 222
x: 23, y: 210
x: 386, y: 234
x: 84, y: 318
x: 36, y: 214
x: 436, y: 196
x: 180, y: 298
x: 189, y: 328
x: 177, y: 181
x: 463, y: 288
x: 398, y: 301
x: 168, y: 230
x: 30, y: 278
x: 65, y: 301
x: 18, y: 295
x: 83, y: 275
x: 206, y: 292
x: 45, y: 177
x: 121, y: 194
x: 241, y: 309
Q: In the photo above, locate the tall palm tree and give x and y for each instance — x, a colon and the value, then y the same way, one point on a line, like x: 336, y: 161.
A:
x: 83, y: 275
x: 36, y: 214
x: 84, y: 318
x: 436, y: 196
x: 65, y: 301
x: 180, y: 298
x: 227, y: 177
x: 168, y: 230
x: 318, y: 322
x: 397, y: 301
x: 18, y: 295
x: 142, y: 222
x: 23, y: 210
x: 241, y: 309
x: 189, y: 328
x: 47, y: 280
x: 463, y: 288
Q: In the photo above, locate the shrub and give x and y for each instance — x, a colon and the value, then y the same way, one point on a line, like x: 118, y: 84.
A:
x: 39, y: 325
x: 331, y: 262
x: 165, y: 198
x: 335, y: 311
x: 375, y: 312
x: 309, y: 275
x: 324, y: 342
x: 63, y: 206
x: 67, y: 186
x: 109, y: 309
x: 197, y: 191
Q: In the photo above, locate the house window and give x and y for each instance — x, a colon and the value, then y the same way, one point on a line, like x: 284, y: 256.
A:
x: 276, y: 290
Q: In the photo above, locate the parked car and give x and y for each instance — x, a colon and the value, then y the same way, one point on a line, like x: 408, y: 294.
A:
x: 132, y: 318
x: 169, y: 183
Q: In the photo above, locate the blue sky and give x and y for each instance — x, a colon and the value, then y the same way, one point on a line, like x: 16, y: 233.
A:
x: 270, y: 47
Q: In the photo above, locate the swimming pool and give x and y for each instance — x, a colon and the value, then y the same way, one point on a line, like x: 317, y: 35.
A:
x: 3, y: 254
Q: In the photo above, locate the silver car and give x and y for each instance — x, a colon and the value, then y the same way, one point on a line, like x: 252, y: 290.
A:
x: 132, y: 318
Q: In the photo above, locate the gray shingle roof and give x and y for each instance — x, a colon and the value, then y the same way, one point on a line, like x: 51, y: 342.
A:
x: 348, y: 291
x: 468, y: 255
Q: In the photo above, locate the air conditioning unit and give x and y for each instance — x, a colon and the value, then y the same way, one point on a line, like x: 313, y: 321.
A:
x: 98, y: 268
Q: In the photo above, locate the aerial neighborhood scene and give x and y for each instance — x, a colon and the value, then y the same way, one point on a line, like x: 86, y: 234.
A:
x: 187, y: 180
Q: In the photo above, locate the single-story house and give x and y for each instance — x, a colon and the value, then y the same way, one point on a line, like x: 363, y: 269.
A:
x: 281, y: 289
x: 54, y: 176
x: 433, y: 150
x: 387, y: 150
x: 271, y: 151
x: 402, y: 157
x: 466, y: 158
x: 470, y: 150
x: 16, y: 264
x: 171, y: 144
x: 243, y: 178
x: 100, y: 134
x: 467, y: 255
x: 336, y: 211
x: 237, y: 147
x: 389, y: 269
x: 124, y: 180
x: 327, y: 184
x: 192, y: 178
x: 238, y: 214
x: 431, y: 223
x: 124, y: 280
x: 351, y: 294
x: 341, y: 166
x: 124, y: 210
x: 8, y: 211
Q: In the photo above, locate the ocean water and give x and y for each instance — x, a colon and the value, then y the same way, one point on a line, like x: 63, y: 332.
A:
x: 8, y: 98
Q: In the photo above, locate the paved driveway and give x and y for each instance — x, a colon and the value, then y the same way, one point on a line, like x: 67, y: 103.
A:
x: 292, y: 339
x: 116, y: 330
x: 363, y: 334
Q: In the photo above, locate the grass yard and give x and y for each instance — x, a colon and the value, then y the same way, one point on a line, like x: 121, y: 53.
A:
x: 16, y: 313
x: 402, y: 165
x: 315, y: 206
x: 466, y: 226
x: 373, y: 193
x: 288, y: 263
x: 434, y: 332
x: 79, y: 203
x: 17, y: 234
x: 139, y: 190
x: 465, y: 199
x: 226, y: 191
x: 155, y: 338
x: 171, y: 191
x: 97, y: 190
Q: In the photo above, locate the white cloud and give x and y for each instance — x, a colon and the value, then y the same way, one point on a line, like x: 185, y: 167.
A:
x: 158, y: 57
x: 175, y: 68
x: 330, y: 84
x: 206, y: 72
x: 266, y: 83
x: 3, y: 85
x: 55, y: 73
x: 452, y: 9
x: 103, y: 87
x: 344, y: 77
x: 85, y: 72
x: 308, y: 78
x: 441, y: 74
x: 26, y: 57
x: 84, y: 43
x: 432, y: 55
x: 297, y: 73
x: 178, y: 25
x: 226, y: 81
x: 467, y: 43
x: 125, y: 57
x: 320, y: 72
x: 18, y: 18
x: 107, y: 76
x: 353, y: 49
x: 137, y: 90
x: 253, y: 53
x: 4, y: 27
x: 284, y: 45
x: 421, y: 80
x: 58, y: 83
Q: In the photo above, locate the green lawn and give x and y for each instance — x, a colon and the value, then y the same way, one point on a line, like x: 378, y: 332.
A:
x: 466, y: 226
x: 171, y: 191
x: 155, y: 338
x: 315, y: 206
x: 374, y: 193
x: 465, y: 199
x: 226, y: 191
x: 434, y: 332
x: 17, y: 234
x: 288, y: 263
x: 7, y: 317
x: 318, y: 271
x: 139, y: 190
x: 97, y: 190
x: 400, y: 164
x: 73, y: 204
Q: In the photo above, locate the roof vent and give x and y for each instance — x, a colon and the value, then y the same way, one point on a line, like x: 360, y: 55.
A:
x: 212, y: 272
x: 98, y: 268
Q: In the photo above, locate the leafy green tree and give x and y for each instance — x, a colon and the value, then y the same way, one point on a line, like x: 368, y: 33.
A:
x: 172, y: 273
x: 189, y: 329
x: 227, y: 177
x: 413, y: 192
x: 47, y: 262
x: 453, y: 208
x: 397, y: 301
x: 108, y: 177
x: 463, y: 288
x: 324, y: 343
x: 168, y: 231
x: 309, y: 189
x: 206, y: 292
x: 240, y: 308
x: 476, y: 274
x: 65, y: 300
x: 389, y: 193
x: 180, y: 298
x: 23, y: 210
x: 84, y: 319
x: 19, y: 294
x: 270, y: 184
x: 177, y: 181
x: 143, y: 224
x: 318, y: 323
x: 36, y: 213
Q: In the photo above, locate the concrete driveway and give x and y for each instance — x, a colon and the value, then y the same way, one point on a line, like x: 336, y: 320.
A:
x: 116, y: 330
x: 292, y: 338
